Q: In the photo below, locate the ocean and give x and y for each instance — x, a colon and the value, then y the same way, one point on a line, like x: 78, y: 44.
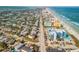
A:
x: 71, y: 13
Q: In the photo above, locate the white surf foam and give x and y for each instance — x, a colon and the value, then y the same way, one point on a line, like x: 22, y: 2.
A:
x: 75, y: 23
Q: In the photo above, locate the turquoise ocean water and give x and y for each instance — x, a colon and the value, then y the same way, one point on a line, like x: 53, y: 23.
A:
x: 71, y: 13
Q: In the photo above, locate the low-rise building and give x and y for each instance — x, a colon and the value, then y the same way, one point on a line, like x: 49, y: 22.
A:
x: 47, y: 23
x: 56, y: 24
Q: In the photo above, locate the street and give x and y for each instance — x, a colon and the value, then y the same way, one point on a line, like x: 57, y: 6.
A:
x: 41, y: 36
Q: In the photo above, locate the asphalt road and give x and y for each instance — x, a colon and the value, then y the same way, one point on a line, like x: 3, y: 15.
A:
x: 41, y: 36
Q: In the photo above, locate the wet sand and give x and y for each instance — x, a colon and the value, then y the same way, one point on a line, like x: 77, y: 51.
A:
x: 69, y: 27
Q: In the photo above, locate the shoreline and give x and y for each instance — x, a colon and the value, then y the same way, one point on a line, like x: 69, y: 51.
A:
x: 68, y: 26
x: 65, y: 22
x: 74, y: 26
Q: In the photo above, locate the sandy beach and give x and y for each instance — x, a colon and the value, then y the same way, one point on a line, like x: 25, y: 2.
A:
x: 67, y: 25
